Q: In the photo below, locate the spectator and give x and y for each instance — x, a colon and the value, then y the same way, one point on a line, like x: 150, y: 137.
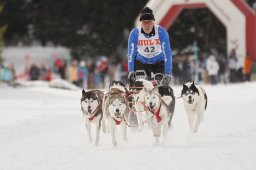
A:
x: 34, y: 72
x: 222, y: 70
x: 247, y: 67
x: 212, y: 67
x: 62, y: 70
x: 7, y: 75
x: 48, y: 75
x: 73, y: 73
x: 57, y: 64
x: 232, y: 66
x: 11, y: 67
x: 83, y: 75
x: 91, y: 76
x: 101, y: 70
x: 253, y: 71
x: 43, y: 71
x: 239, y: 74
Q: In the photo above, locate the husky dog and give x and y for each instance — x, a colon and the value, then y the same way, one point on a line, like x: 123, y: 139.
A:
x: 118, y: 85
x: 195, y: 102
x: 91, y: 103
x: 139, y: 88
x: 159, y: 104
x: 116, y: 109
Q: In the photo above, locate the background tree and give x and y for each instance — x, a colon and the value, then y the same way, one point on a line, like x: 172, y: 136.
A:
x: 199, y: 25
x: 88, y: 27
x: 2, y: 31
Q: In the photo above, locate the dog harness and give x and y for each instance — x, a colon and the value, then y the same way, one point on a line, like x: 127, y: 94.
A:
x: 93, y: 115
x: 91, y: 118
x: 157, y: 113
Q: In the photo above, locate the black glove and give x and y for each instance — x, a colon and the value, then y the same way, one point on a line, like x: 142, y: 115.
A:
x: 167, y: 79
x: 131, y: 78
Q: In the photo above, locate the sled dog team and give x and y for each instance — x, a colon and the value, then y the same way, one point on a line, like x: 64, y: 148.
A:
x: 154, y: 106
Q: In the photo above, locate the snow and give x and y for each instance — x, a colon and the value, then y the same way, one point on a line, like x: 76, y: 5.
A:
x: 43, y: 128
x: 54, y: 83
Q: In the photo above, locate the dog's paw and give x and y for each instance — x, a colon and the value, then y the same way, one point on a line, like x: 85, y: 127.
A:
x: 115, y: 144
x: 156, y: 135
x: 195, y: 130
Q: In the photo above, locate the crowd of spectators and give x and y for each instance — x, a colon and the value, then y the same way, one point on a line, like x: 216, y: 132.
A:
x: 99, y: 72
x: 213, y: 68
x: 90, y: 73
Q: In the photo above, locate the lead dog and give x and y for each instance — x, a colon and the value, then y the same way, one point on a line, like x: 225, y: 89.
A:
x: 91, y: 103
x: 116, y: 109
x: 159, y: 104
x: 195, y: 103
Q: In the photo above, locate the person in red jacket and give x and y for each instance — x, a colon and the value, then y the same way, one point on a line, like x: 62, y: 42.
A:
x: 247, y: 66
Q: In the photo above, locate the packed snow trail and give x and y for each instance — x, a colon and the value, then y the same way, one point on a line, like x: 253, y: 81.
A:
x: 43, y: 128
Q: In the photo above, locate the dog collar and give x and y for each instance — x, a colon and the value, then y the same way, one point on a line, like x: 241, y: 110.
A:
x: 92, y: 116
x: 118, y: 122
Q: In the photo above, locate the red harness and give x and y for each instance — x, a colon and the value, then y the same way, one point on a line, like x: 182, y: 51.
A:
x: 91, y: 118
x: 157, y: 114
x: 117, y: 121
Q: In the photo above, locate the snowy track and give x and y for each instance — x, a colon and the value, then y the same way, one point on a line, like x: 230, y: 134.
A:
x: 43, y: 128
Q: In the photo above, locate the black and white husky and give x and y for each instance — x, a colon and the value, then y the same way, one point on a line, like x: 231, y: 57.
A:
x: 158, y: 103
x: 91, y: 106
x: 195, y: 103
x: 116, y: 109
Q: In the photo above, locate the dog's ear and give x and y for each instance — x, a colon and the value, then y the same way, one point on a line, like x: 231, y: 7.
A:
x: 111, y: 84
x: 193, y: 84
x: 167, y: 100
x: 147, y: 84
x: 83, y: 92
x: 184, y: 86
x: 184, y: 89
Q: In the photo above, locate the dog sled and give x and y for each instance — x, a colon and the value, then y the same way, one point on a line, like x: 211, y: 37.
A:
x: 134, y: 88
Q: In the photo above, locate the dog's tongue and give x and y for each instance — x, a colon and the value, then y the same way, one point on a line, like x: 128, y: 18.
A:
x: 154, y: 83
x: 151, y: 107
